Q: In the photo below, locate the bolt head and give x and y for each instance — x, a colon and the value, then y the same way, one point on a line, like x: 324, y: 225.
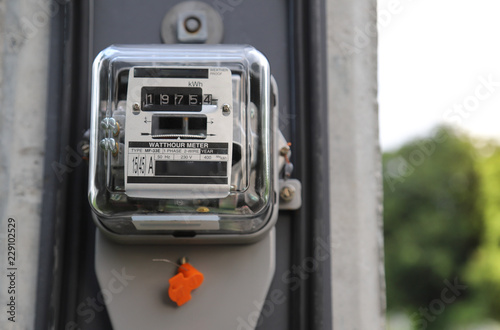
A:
x: 105, y: 123
x: 226, y: 109
x: 284, y: 151
x: 192, y: 24
x: 103, y: 144
x: 287, y: 193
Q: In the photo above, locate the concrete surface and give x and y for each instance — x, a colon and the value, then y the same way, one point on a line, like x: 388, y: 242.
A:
x: 358, y: 284
x: 24, y: 40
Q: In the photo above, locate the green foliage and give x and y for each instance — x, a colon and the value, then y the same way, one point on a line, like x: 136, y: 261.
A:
x: 484, y: 267
x: 433, y: 223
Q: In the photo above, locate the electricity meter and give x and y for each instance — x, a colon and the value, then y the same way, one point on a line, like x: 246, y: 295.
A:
x: 182, y: 144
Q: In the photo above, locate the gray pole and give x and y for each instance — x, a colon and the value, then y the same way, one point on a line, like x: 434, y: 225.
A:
x: 357, y: 267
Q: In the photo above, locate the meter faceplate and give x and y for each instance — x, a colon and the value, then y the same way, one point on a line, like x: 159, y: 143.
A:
x: 179, y: 143
x: 182, y: 144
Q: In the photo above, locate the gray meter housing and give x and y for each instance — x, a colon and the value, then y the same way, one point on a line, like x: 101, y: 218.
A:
x: 183, y: 144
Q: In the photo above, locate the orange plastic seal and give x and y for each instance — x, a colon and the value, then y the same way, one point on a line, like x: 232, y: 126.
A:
x: 187, y: 279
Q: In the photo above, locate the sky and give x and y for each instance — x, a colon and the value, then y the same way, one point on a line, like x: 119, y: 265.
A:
x: 439, y: 62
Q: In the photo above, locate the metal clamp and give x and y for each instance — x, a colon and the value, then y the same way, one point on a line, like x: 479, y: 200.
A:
x: 192, y: 22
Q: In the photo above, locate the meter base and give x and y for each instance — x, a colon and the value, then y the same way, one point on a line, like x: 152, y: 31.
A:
x: 135, y: 289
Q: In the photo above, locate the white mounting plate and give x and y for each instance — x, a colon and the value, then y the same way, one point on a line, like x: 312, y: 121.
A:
x: 237, y: 279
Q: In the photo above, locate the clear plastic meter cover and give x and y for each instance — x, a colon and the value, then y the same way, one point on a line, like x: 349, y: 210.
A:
x: 182, y: 141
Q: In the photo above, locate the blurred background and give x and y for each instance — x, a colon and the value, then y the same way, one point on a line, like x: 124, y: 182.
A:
x: 439, y: 96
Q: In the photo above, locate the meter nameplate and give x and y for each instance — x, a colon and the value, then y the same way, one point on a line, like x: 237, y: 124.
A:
x: 178, y: 141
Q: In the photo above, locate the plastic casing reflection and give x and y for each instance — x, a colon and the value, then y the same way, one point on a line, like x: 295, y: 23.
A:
x: 250, y: 208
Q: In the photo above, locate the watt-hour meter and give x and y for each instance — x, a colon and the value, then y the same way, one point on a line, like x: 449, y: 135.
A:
x: 182, y: 144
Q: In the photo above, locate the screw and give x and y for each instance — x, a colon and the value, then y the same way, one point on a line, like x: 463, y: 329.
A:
x: 192, y: 24
x: 109, y: 144
x: 108, y: 123
x: 104, y: 124
x: 136, y: 106
x: 226, y: 109
x: 116, y: 149
x: 287, y: 193
x: 103, y: 144
x: 85, y: 149
x: 284, y: 151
